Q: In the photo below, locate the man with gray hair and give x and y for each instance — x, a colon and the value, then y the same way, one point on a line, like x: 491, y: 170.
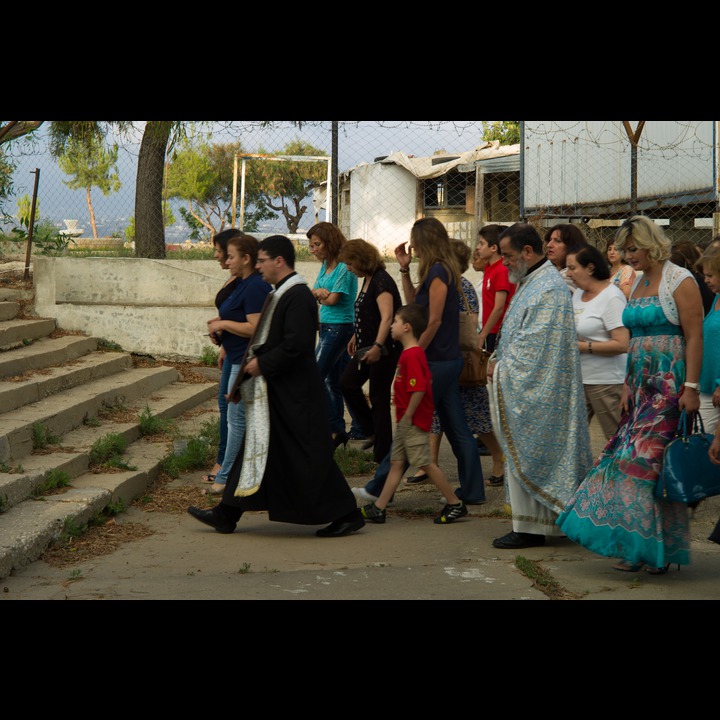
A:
x: 536, y: 393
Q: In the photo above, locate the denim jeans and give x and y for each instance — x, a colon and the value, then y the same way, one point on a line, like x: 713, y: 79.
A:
x: 446, y: 394
x: 222, y: 406
x: 235, y: 429
x: 331, y: 356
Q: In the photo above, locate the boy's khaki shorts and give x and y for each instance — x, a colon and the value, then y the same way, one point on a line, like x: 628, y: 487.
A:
x: 411, y: 444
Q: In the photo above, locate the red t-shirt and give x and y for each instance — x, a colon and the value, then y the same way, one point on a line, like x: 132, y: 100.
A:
x: 413, y: 375
x: 495, y: 280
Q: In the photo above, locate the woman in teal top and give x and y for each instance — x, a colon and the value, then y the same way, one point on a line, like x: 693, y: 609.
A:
x: 709, y: 266
x: 335, y: 291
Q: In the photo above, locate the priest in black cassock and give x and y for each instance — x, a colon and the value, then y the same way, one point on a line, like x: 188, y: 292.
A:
x: 287, y: 466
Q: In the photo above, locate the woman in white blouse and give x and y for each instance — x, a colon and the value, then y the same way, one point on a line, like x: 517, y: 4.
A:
x: 602, y: 338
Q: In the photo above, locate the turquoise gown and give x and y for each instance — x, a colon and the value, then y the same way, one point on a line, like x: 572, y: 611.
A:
x: 614, y: 511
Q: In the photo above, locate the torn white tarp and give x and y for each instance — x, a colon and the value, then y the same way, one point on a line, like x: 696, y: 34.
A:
x: 435, y: 166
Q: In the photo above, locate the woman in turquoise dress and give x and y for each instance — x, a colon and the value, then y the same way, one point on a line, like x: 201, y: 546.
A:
x: 614, y: 512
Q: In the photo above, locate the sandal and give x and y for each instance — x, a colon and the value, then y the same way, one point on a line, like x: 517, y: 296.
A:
x: 495, y: 480
x: 208, y: 478
x: 658, y: 570
x: 625, y: 566
x: 213, y: 490
x: 413, y: 479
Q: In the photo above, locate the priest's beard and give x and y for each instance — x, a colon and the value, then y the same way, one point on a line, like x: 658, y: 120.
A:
x: 520, y: 271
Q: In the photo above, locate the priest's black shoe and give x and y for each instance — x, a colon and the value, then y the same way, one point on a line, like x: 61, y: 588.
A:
x: 341, y: 527
x: 221, y: 525
x: 515, y: 541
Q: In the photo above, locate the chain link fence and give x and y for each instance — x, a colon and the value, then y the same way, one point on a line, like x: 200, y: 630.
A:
x: 598, y: 173
x: 374, y: 179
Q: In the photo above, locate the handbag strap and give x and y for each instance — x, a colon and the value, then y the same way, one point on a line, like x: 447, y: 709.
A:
x: 682, y: 429
x: 465, y: 301
x: 695, y: 427
x: 698, y: 426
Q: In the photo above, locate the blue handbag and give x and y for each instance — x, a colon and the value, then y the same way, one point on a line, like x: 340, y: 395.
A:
x: 688, y: 475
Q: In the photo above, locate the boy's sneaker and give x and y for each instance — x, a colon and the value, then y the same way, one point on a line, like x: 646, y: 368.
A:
x: 450, y: 513
x: 373, y: 513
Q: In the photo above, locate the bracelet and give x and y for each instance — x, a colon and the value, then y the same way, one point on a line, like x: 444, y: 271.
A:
x: 380, y: 345
x: 590, y: 347
x: 692, y: 385
x: 404, y: 271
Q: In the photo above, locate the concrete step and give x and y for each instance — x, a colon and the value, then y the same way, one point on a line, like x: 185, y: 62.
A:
x: 24, y: 295
x: 28, y: 527
x: 41, y: 384
x: 8, y: 310
x: 22, y: 477
x: 44, y: 353
x: 68, y: 409
x: 23, y: 331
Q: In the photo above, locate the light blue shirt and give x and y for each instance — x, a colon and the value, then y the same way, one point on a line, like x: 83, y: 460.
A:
x: 339, y: 280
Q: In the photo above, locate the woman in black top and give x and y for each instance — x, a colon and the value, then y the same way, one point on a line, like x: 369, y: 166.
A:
x: 374, y: 352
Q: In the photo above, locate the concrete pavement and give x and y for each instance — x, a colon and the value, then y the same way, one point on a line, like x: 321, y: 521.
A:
x: 408, y: 558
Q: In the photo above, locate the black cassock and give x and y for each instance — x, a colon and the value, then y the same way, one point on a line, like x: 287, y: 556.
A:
x: 302, y: 482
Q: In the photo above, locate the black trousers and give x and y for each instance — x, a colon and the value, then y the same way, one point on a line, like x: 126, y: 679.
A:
x: 374, y: 418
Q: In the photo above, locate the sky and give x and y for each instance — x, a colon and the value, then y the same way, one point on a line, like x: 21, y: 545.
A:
x: 358, y: 142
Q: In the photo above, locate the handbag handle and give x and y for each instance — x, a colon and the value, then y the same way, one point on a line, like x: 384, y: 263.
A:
x: 696, y: 426
x: 682, y: 425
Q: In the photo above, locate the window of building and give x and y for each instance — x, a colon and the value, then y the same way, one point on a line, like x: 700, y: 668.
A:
x: 446, y: 191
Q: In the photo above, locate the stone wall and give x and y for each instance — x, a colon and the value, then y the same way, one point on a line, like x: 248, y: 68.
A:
x: 158, y: 307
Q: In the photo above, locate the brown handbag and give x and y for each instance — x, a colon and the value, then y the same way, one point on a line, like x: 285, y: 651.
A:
x: 474, y: 369
x: 468, y: 328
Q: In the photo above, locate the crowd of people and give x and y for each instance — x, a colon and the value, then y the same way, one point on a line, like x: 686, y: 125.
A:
x: 627, y: 335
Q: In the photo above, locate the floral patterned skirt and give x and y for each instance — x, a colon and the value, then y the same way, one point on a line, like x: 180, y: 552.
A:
x: 614, y: 512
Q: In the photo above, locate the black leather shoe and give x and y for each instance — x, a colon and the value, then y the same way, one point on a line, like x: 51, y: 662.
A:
x: 339, y: 528
x: 212, y: 519
x: 515, y: 541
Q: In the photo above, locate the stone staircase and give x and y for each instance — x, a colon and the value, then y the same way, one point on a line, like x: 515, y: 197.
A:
x: 60, y: 393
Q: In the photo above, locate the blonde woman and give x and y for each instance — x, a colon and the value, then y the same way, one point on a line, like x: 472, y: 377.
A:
x: 614, y: 512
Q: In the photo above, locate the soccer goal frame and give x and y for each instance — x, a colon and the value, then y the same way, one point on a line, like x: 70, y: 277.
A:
x: 244, y: 157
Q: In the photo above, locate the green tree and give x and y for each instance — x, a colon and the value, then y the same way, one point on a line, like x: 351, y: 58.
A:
x: 506, y: 131
x: 201, y: 175
x: 157, y: 139
x: 6, y: 170
x: 167, y: 214
x: 159, y: 136
x: 283, y: 185
x: 92, y: 165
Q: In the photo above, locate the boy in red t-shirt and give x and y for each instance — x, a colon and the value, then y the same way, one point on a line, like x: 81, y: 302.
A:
x: 414, y: 409
x: 497, y: 288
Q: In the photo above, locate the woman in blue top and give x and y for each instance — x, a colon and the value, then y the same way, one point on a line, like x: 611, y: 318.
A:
x: 439, y: 275
x: 239, y: 315
x: 220, y: 242
x: 709, y: 266
x: 335, y: 291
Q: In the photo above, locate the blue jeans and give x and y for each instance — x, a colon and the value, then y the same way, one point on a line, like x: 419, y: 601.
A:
x: 446, y: 393
x: 235, y: 430
x: 331, y: 356
x: 222, y: 406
